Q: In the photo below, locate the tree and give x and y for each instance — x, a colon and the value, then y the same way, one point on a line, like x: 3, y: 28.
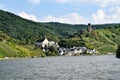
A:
x: 118, y: 52
x: 52, y: 51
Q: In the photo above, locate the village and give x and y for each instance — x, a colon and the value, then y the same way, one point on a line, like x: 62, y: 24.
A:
x: 71, y: 51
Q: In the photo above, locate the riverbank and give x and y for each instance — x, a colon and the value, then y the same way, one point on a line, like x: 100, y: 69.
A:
x: 14, y: 58
x: 8, y: 58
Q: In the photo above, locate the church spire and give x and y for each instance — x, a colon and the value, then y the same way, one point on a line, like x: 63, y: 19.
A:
x: 45, y: 37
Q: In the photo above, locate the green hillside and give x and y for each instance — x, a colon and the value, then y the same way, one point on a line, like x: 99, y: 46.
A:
x: 103, y: 40
x: 19, y: 35
x: 27, y: 32
x: 9, y: 49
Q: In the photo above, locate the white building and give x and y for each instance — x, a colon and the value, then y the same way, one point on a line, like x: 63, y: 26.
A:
x: 44, y: 42
x: 62, y: 51
x: 53, y: 43
x: 76, y: 51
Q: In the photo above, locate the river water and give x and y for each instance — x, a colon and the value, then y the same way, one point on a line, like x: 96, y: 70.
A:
x: 103, y: 67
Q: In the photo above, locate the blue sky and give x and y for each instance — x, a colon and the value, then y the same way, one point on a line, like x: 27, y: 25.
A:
x: 65, y: 11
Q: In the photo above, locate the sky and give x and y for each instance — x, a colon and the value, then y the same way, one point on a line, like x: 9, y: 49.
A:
x: 65, y: 11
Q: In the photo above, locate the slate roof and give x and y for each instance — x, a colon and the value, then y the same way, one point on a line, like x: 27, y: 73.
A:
x: 40, y: 40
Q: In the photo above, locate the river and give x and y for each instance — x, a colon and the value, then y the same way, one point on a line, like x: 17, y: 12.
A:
x: 102, y: 67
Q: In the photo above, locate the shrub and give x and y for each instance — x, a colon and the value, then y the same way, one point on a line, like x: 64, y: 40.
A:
x: 118, y: 52
x: 52, y: 51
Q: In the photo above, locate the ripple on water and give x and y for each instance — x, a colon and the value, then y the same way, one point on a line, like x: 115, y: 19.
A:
x: 105, y: 67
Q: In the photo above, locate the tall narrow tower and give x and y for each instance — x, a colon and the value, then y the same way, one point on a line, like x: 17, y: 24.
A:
x: 89, y: 27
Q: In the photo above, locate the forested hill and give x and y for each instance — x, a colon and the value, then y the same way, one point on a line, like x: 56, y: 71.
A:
x: 102, y: 40
x: 27, y: 32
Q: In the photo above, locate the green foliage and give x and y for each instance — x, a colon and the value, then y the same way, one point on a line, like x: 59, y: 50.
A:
x: 27, y: 32
x: 34, y: 52
x: 52, y: 51
x: 118, y: 52
x: 107, y: 49
x: 2, y: 52
x: 3, y: 36
x: 71, y: 42
x: 9, y: 49
x: 103, y: 40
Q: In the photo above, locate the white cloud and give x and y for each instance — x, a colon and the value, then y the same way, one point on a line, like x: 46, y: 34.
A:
x: 101, y: 17
x: 34, y: 1
x: 108, y: 12
x: 106, y: 3
x: 72, y: 18
x: 115, y: 14
x: 115, y: 10
x: 28, y: 16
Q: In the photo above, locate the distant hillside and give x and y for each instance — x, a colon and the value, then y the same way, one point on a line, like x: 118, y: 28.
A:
x: 103, y: 40
x: 27, y: 32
